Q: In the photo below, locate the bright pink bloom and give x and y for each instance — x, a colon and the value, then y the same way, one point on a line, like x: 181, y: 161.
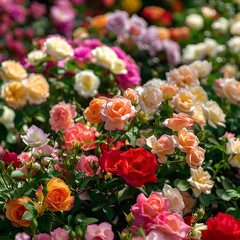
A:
x: 11, y: 157
x: 86, y: 164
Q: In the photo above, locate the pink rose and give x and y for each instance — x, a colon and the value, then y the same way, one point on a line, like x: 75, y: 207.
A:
x: 178, y: 121
x: 102, y: 231
x: 86, y: 164
x: 171, y: 225
x: 61, y: 116
x: 43, y: 236
x: 147, y: 209
x: 59, y: 234
x: 11, y: 157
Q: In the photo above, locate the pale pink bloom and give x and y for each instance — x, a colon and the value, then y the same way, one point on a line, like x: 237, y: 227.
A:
x: 132, y: 95
x: 171, y: 225
x: 195, y: 157
x: 175, y: 198
x: 231, y: 90
x: 103, y: 231
x: 43, y: 236
x: 200, y: 181
x: 25, y: 157
x: 45, y: 151
x: 178, y: 121
x: 86, y: 164
x: 169, y: 90
x: 147, y: 209
x: 116, y: 111
x: 218, y: 87
x: 62, y: 115
x: 35, y: 137
x: 22, y: 236
x: 59, y: 234
x: 163, y: 145
x: 155, y: 235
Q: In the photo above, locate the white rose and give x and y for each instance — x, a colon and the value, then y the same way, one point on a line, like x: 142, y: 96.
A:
x: 214, y: 114
x: 201, y: 181
x: 36, y: 57
x: 203, y: 68
x: 193, y: 52
x: 194, y: 21
x: 234, y: 44
x: 86, y: 83
x: 7, y: 117
x: 118, y: 67
x: 58, y: 48
x: 233, y: 146
x: 235, y: 28
x: 208, y: 12
x: 221, y: 25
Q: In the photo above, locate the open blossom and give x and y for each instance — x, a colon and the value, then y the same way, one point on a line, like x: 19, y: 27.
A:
x: 86, y: 83
x: 35, y: 57
x: 22, y: 236
x: 195, y: 21
x: 195, y: 157
x: 13, y: 71
x: 169, y: 90
x: 163, y: 145
x: 178, y: 121
x: 7, y: 117
x: 58, y: 48
x: 231, y: 90
x: 59, y: 234
x: 35, y: 137
x: 203, y: 68
x: 61, y: 116
x: 150, y: 97
x: 199, y: 93
x: 102, y: 231
x: 200, y: 181
x: 214, y: 114
x: 184, y: 76
x: 116, y: 111
x: 132, y: 95
x: 176, y: 203
x: 37, y: 88
x: 14, y: 94
x: 198, y: 116
x: 86, y: 164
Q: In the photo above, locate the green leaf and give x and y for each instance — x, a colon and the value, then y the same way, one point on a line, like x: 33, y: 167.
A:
x: 45, y: 223
x: 27, y: 216
x: 221, y: 193
x: 109, y: 212
x: 234, y: 212
x: 88, y: 221
x: 17, y: 173
x: 182, y: 185
x: 131, y: 138
x: 124, y: 194
x: 206, y: 199
x: 232, y: 193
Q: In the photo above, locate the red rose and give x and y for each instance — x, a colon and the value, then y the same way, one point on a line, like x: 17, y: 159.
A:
x: 11, y: 157
x: 111, y: 145
x: 137, y: 167
x: 108, y: 161
x: 222, y: 227
x: 79, y: 134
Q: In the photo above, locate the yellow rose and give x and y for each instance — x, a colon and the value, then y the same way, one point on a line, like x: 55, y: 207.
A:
x: 131, y: 6
x: 14, y: 93
x: 118, y: 67
x: 12, y: 70
x: 199, y: 93
x: 37, y: 88
x: 58, y: 196
x: 58, y: 48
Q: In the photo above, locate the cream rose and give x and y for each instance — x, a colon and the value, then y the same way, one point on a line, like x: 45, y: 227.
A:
x: 199, y: 93
x: 213, y: 114
x: 13, y: 71
x: 35, y: 57
x: 194, y: 21
x: 235, y: 28
x: 37, y: 88
x: 203, y: 68
x: 86, y: 83
x: 7, y: 117
x: 58, y: 48
x: 231, y: 90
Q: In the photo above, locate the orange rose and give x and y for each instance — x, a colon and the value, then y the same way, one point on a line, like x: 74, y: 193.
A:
x: 93, y: 112
x: 100, y: 21
x: 186, y: 140
x: 195, y: 157
x: 58, y: 196
x: 15, y: 211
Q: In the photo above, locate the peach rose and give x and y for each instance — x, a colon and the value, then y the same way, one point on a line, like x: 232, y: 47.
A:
x: 15, y: 211
x: 100, y: 21
x: 189, y: 202
x: 116, y: 112
x: 13, y: 71
x: 163, y: 145
x: 231, y: 90
x: 37, y: 89
x: 178, y: 121
x: 186, y: 140
x: 218, y: 87
x: 198, y: 116
x: 199, y: 93
x: 184, y: 76
x: 15, y: 94
x: 93, y: 112
x: 169, y: 90
x: 61, y: 116
x: 132, y: 95
x: 195, y: 157
x: 184, y: 101
x: 58, y: 197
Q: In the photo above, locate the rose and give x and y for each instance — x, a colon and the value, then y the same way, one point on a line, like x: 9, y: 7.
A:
x: 42, y: 236
x: 101, y: 231
x: 169, y: 90
x: 58, y: 48
x: 199, y: 93
x: 12, y: 70
x: 147, y: 209
x: 59, y: 234
x: 22, y: 236
x: 231, y: 90
x: 195, y: 157
x: 195, y: 21
x: 35, y: 57
x: 7, y: 117
x: 37, y: 89
x: 132, y: 95
x: 11, y: 157
x: 178, y: 121
x: 58, y: 197
x: 80, y: 135
x: 61, y: 116
x: 86, y: 83
x: 93, y: 112
x: 186, y: 140
x: 137, y: 167
x: 15, y: 210
x: 116, y: 111
x: 86, y: 164
x: 203, y: 68
x: 14, y: 94
x: 222, y: 226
